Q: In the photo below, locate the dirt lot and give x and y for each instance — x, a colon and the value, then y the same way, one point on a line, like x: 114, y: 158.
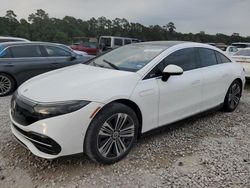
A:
x: 213, y: 151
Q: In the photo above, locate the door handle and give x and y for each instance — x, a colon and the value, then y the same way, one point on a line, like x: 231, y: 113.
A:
x: 9, y: 65
x: 196, y: 82
x: 54, y: 63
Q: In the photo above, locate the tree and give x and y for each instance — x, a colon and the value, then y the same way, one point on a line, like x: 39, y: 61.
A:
x: 171, y: 27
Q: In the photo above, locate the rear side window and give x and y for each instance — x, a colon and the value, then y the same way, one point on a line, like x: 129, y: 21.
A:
x: 185, y: 58
x: 127, y: 41
x: 207, y: 57
x: 56, y: 52
x: 222, y: 58
x: 5, y: 54
x: 26, y: 51
x: 118, y: 42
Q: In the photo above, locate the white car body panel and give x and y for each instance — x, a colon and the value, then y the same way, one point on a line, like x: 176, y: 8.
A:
x: 245, y: 62
x: 160, y: 102
x: 79, y: 88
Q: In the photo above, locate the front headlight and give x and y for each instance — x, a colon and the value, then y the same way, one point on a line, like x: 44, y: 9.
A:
x: 47, y: 110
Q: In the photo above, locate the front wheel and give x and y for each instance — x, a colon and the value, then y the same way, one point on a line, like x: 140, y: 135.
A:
x: 233, y: 96
x: 112, y: 134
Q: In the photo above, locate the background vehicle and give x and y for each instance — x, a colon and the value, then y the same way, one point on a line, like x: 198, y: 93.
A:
x: 112, y: 42
x: 85, y: 44
x: 229, y: 50
x: 243, y: 57
x: 116, y: 97
x: 20, y: 61
x: 12, y: 39
x: 241, y: 45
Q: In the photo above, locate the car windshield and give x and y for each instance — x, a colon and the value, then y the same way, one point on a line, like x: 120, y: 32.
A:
x: 243, y: 53
x: 128, y: 58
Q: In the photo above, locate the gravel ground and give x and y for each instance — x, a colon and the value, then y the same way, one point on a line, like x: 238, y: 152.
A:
x: 210, y: 151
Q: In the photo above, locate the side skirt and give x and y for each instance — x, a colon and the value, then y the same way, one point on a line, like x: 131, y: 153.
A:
x: 180, y: 122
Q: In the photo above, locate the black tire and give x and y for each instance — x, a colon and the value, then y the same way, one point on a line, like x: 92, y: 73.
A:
x: 7, y: 84
x: 233, y: 96
x: 100, y: 135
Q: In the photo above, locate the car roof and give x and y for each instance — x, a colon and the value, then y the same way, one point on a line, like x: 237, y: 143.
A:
x: 13, y: 38
x: 9, y: 44
x: 165, y: 44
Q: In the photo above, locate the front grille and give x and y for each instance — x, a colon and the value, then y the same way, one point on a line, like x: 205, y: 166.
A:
x: 41, y: 142
x: 22, y: 111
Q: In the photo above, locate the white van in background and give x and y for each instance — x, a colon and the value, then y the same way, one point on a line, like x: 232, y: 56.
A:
x: 112, y: 42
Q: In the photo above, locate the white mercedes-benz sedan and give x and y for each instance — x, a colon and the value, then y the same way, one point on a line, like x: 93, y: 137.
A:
x: 103, y: 107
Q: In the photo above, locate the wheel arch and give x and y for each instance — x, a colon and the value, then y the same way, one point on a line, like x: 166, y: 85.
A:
x: 134, y: 107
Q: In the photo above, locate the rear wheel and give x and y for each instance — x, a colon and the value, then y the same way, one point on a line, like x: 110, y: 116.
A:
x: 7, y: 84
x: 233, y: 96
x: 112, y: 134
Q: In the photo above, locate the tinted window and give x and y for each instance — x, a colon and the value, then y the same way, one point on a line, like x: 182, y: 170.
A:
x: 56, y: 52
x: 118, y: 42
x: 185, y: 58
x: 26, y: 51
x: 5, y: 54
x: 207, y: 57
x: 127, y: 41
x: 106, y: 41
x: 222, y: 58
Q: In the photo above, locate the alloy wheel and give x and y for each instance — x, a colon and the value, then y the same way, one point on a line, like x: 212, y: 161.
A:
x: 116, y: 135
x: 5, y: 85
x: 234, y: 95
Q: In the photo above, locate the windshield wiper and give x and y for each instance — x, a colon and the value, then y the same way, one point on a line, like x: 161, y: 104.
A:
x: 111, y: 64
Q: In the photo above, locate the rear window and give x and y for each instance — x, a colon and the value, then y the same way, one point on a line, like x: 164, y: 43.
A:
x: 243, y: 53
x: 222, y: 58
x: 106, y: 41
x: 241, y: 45
x: 26, y: 51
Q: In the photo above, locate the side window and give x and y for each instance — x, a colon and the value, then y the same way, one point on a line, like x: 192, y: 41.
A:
x: 26, y: 51
x: 5, y: 54
x: 185, y: 58
x: 118, y: 42
x: 207, y: 57
x: 127, y: 41
x: 222, y: 58
x: 56, y: 52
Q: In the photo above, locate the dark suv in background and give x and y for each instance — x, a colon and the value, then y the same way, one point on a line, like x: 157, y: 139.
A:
x: 20, y: 61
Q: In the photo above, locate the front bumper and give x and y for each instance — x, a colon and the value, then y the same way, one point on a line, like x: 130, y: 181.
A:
x: 57, y: 136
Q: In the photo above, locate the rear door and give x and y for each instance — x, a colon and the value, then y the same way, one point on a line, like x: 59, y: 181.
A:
x: 58, y: 57
x: 216, y: 77
x: 26, y: 62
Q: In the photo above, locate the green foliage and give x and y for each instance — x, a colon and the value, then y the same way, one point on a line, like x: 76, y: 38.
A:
x: 40, y: 27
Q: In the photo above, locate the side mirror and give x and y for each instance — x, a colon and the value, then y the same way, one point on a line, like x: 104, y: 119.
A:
x: 73, y: 57
x: 171, y: 70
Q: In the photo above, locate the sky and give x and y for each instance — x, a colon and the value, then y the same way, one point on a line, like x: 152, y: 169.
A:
x: 211, y: 16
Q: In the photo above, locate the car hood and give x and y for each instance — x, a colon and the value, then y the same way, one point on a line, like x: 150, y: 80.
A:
x: 80, y: 82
